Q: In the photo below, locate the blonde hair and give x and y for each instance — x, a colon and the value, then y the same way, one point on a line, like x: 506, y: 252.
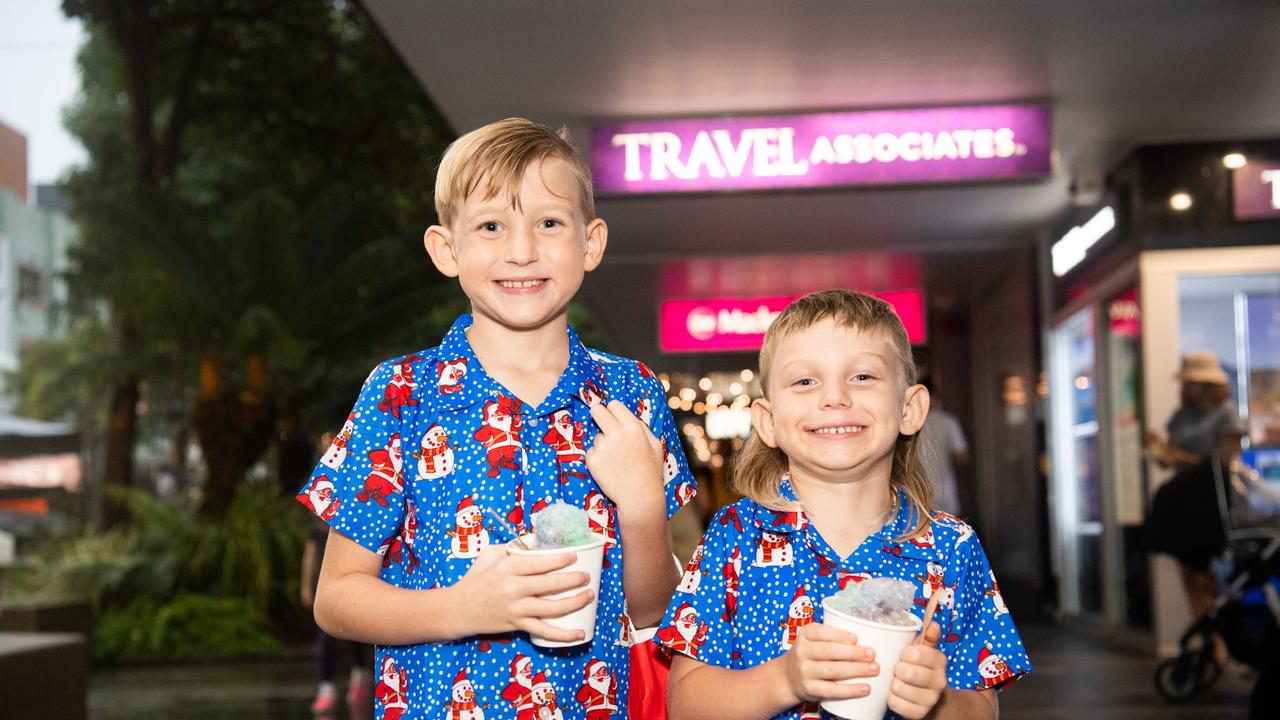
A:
x: 498, y: 155
x: 758, y: 468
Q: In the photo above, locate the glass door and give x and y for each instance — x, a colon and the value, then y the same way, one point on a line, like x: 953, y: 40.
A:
x: 1077, y: 471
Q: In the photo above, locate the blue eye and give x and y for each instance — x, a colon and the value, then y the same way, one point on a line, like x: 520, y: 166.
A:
x: 863, y: 377
x: 804, y: 382
x: 489, y: 227
x: 551, y: 223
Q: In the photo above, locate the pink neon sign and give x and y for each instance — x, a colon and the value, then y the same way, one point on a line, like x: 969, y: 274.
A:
x: 728, y: 324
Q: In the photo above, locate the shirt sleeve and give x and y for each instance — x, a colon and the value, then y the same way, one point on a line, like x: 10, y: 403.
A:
x: 357, y: 487
x: 983, y: 648
x: 707, y: 636
x: 678, y: 481
x: 1228, y: 422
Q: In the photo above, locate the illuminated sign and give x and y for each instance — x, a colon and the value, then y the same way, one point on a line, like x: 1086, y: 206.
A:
x: 1071, y: 249
x: 874, y: 147
x: 729, y: 324
x: 1256, y: 191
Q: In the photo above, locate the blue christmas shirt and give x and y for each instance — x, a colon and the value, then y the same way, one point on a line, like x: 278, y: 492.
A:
x: 432, y: 445
x: 759, y: 575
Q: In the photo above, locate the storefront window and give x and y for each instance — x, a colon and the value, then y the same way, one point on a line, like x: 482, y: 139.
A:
x: 1237, y: 318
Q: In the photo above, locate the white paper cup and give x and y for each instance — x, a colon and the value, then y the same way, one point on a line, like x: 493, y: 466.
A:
x: 888, y: 641
x: 590, y: 558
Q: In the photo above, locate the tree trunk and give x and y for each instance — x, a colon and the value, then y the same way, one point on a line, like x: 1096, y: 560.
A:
x: 295, y: 454
x: 233, y: 430
x: 121, y: 430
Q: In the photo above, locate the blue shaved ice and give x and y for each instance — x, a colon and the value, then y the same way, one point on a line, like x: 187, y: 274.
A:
x: 881, y: 600
x: 561, y: 525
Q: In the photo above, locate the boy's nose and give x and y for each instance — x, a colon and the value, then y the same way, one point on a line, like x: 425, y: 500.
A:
x: 521, y: 247
x: 836, y: 395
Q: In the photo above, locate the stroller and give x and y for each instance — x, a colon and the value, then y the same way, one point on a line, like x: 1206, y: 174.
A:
x: 1246, y: 612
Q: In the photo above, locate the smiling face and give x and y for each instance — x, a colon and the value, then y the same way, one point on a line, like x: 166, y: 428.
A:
x: 836, y: 402
x: 520, y: 260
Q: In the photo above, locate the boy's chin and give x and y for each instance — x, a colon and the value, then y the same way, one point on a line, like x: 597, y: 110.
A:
x: 523, y: 322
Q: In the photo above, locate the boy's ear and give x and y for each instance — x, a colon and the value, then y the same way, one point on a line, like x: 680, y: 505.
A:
x: 597, y: 239
x: 915, y: 407
x: 762, y: 421
x: 439, y: 243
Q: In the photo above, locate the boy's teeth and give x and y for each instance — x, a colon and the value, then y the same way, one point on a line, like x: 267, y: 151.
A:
x: 519, y: 283
x: 841, y: 429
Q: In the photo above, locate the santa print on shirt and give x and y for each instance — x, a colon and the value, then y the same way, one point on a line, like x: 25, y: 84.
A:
x: 399, y: 392
x: 600, y: 516
x: 685, y: 633
x: 391, y: 690
x: 500, y: 434
x: 731, y: 571
x: 516, y: 515
x: 590, y: 393
x: 599, y: 691
x: 764, y: 620
x: 519, y: 692
x: 337, y: 452
x: 384, y: 478
x: 449, y: 375
x: 449, y: 526
x: 435, y: 458
x: 565, y: 436
x: 799, y: 614
x: 462, y: 700
x: 319, y: 498
x: 468, y: 536
x: 399, y: 549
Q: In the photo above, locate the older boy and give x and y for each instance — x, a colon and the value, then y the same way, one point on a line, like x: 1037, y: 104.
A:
x: 415, y: 562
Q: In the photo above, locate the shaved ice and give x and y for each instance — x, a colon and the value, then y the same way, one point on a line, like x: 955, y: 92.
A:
x: 880, y: 600
x: 562, y: 525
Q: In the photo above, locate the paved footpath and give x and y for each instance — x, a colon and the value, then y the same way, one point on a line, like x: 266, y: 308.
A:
x: 1076, y: 677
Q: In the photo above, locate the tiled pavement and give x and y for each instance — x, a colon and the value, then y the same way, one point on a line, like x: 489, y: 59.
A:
x: 1077, y: 677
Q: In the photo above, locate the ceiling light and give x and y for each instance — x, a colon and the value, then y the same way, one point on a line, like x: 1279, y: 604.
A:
x: 1180, y: 201
x: 1234, y: 160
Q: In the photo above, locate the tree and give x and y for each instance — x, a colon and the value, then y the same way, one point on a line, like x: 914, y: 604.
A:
x: 258, y: 173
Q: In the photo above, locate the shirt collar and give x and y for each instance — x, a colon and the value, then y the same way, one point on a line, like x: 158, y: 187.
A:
x: 582, y: 379
x: 921, y: 546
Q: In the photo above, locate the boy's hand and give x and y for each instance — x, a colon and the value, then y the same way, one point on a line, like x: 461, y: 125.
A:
x: 919, y: 678
x: 626, y: 459
x: 821, y: 656
x: 500, y: 593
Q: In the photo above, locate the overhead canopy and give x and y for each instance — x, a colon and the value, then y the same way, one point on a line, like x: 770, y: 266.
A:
x: 1115, y: 74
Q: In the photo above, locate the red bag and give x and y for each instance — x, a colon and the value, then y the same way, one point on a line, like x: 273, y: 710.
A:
x: 650, y: 664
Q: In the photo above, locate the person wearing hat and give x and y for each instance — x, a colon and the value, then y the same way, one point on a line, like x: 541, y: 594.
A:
x: 1203, y: 419
x: 1184, y: 520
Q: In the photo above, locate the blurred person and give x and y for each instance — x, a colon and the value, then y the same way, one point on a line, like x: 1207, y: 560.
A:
x: 1205, y: 414
x: 360, y: 682
x: 942, y: 449
x: 1184, y: 521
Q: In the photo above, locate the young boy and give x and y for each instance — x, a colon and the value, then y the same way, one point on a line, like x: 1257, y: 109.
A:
x: 510, y: 412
